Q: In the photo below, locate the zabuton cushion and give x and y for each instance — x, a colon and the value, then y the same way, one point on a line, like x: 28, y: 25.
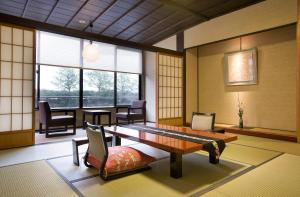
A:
x: 122, y: 159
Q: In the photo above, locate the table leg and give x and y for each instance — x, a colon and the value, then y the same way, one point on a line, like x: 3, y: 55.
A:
x: 83, y: 120
x: 109, y: 119
x: 94, y: 119
x: 175, y: 165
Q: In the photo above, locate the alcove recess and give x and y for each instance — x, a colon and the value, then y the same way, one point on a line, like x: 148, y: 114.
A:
x: 16, y: 86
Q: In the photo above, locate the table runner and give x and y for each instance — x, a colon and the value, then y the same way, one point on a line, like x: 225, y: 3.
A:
x: 212, y: 145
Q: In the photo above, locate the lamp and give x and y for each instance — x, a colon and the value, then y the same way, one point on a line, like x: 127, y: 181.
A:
x: 90, y: 52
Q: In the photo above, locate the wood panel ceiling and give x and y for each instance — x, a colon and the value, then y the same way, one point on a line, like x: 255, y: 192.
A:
x: 140, y: 21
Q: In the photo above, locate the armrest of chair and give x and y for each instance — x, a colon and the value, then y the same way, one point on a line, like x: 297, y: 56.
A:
x: 57, y: 110
x: 130, y: 108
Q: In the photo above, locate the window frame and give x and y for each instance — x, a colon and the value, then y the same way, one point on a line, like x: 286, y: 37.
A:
x: 38, y: 81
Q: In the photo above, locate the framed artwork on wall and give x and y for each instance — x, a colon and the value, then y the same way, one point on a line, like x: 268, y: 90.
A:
x: 241, y: 67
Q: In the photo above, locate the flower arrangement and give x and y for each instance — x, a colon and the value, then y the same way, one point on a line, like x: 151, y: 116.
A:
x: 240, y: 112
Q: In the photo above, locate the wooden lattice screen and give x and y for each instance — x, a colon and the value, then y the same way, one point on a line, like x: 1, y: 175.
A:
x: 169, y: 89
x: 16, y: 86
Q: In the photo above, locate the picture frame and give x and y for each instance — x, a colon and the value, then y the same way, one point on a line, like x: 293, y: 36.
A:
x: 241, y: 67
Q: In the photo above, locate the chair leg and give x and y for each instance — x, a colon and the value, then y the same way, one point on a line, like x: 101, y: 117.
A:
x: 144, y: 120
x: 117, y: 121
x: 46, y: 131
x: 128, y: 121
x: 41, y: 128
x: 74, y: 128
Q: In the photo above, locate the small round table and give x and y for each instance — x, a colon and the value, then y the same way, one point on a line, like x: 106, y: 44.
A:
x: 95, y: 113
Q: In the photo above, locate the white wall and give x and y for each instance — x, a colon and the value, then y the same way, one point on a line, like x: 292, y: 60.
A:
x: 264, y: 15
x: 150, y: 85
x: 168, y: 43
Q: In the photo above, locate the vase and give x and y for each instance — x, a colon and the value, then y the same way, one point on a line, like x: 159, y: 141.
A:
x: 241, y: 124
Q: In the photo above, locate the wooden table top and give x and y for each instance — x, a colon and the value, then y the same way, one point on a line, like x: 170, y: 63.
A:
x: 168, y: 144
x: 96, y: 111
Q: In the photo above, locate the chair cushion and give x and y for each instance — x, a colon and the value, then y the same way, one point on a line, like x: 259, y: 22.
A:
x: 61, y: 117
x: 122, y: 159
x: 62, y: 120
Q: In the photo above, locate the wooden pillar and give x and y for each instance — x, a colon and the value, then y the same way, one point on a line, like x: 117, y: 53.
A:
x: 298, y: 73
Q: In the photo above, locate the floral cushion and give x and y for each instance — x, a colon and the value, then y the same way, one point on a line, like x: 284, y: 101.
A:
x: 122, y: 159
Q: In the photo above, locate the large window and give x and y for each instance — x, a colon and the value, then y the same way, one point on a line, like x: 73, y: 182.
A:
x: 98, y: 88
x: 65, y: 79
x: 59, y: 50
x: 129, y: 60
x: 59, y: 86
x: 127, y: 88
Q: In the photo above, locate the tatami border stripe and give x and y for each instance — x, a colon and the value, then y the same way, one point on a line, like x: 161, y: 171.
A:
x: 257, y: 147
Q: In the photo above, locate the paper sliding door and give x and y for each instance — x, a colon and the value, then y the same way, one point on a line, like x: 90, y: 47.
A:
x: 16, y: 86
x: 169, y: 89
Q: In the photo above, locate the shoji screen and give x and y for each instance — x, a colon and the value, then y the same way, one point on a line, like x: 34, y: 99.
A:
x: 16, y: 86
x: 170, y: 89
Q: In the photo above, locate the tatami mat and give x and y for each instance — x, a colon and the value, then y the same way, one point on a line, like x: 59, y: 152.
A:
x: 245, y: 154
x: 198, y: 174
x: 38, y: 152
x: 65, y: 166
x: 41, y: 138
x: 32, y: 179
x: 269, y: 144
x: 279, y: 177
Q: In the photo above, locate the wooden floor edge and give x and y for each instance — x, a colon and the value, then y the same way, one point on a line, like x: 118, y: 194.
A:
x: 268, y: 135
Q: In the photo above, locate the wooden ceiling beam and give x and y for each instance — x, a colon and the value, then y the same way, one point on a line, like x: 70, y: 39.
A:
x: 5, y: 18
x: 154, y: 24
x: 25, y: 8
x: 162, y: 37
x: 168, y: 28
x: 116, y: 20
x: 101, y: 13
x: 182, y: 7
x: 51, y: 11
x: 70, y: 20
x: 146, y: 15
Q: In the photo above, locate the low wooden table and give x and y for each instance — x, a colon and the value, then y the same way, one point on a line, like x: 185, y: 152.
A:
x: 95, y: 113
x: 176, y: 147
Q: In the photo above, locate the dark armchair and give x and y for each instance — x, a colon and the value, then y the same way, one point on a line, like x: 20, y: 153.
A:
x: 46, y: 118
x: 137, y: 111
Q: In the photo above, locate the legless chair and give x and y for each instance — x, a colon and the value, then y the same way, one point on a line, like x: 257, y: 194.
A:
x: 205, y: 122
x: 112, y: 162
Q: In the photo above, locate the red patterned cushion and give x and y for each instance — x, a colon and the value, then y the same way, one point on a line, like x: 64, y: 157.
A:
x: 122, y: 159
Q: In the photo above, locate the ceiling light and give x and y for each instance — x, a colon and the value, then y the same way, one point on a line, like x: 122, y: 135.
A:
x: 82, y: 21
x: 90, y: 52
